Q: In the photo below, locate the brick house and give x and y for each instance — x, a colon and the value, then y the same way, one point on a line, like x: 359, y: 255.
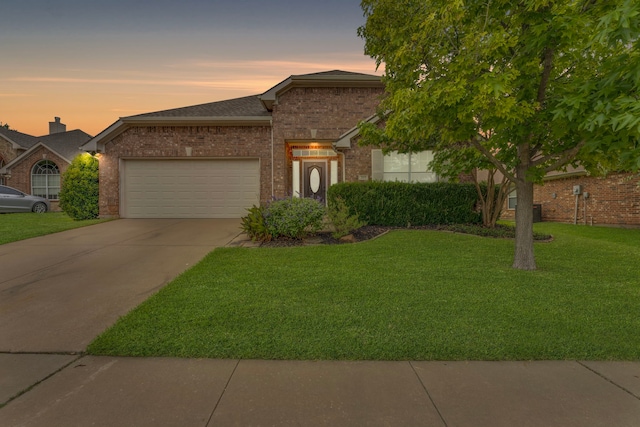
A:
x: 576, y: 197
x: 217, y: 159
x: 34, y: 165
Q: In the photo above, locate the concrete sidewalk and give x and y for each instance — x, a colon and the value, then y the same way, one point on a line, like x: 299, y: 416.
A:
x: 105, y: 391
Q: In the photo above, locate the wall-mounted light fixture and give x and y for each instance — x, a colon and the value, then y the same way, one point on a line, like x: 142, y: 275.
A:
x: 554, y: 195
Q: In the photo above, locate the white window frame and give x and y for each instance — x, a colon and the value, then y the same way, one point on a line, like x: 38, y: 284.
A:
x: 401, y: 167
x: 49, y: 187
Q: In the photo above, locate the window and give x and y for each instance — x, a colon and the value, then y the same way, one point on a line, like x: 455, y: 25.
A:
x: 1, y: 166
x: 10, y: 191
x: 45, y: 180
x: 394, y: 166
x: 512, y: 200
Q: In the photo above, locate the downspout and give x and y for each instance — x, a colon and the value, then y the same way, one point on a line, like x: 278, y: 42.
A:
x: 272, y: 166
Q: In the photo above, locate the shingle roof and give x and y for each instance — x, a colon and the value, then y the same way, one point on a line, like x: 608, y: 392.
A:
x: 22, y: 139
x: 67, y: 144
x: 248, y: 106
x: 246, y: 111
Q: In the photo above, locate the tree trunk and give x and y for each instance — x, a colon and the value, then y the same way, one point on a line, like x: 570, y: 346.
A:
x: 524, y: 258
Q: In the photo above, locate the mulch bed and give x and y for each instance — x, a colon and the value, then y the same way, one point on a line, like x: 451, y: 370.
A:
x: 325, y: 238
x: 372, y: 231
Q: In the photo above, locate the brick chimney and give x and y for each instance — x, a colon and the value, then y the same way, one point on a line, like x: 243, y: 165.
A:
x: 57, y: 127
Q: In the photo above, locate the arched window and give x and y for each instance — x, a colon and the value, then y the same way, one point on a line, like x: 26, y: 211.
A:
x: 45, y: 180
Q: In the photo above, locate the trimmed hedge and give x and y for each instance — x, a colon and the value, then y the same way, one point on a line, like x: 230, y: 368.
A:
x: 401, y: 204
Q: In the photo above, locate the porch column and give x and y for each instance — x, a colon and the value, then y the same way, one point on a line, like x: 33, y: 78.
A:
x: 334, y: 172
x: 295, y: 190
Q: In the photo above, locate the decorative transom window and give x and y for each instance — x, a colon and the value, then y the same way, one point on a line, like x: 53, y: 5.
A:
x: 313, y: 153
x: 410, y: 167
x: 45, y: 180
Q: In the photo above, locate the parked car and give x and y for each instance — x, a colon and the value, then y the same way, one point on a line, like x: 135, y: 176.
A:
x: 12, y: 200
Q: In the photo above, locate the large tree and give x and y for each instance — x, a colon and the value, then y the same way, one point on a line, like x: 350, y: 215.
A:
x: 531, y: 85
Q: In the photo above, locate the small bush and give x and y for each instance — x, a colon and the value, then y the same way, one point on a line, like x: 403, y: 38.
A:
x: 79, y: 191
x: 254, y: 225
x: 294, y: 217
x: 342, y: 220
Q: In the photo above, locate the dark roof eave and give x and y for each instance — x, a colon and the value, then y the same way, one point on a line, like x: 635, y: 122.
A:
x: 26, y: 154
x: 344, y: 140
x: 213, y: 121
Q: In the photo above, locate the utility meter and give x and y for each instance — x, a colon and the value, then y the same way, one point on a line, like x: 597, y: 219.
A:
x: 577, y: 190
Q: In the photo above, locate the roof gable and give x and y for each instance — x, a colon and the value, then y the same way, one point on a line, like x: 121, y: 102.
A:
x: 335, y: 78
x: 65, y: 145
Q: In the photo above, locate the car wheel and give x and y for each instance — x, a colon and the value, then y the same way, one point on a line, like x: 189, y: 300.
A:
x: 39, y: 208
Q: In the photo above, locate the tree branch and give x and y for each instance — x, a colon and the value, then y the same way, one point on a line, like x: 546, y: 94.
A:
x: 476, y: 144
x: 547, y: 63
x: 562, y: 158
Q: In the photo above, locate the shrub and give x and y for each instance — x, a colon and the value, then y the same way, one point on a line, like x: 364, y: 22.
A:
x: 254, y: 225
x: 342, y: 220
x: 294, y: 217
x: 401, y: 204
x: 79, y: 191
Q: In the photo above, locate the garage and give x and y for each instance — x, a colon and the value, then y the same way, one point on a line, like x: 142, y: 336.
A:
x: 220, y: 188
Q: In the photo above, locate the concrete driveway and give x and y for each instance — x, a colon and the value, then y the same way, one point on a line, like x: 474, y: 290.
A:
x: 58, y: 292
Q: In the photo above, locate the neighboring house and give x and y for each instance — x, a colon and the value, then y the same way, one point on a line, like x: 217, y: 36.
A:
x: 34, y: 165
x: 576, y: 197
x: 218, y: 159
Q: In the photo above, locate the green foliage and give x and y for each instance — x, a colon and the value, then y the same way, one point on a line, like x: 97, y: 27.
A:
x: 402, y: 204
x: 294, y: 217
x: 343, y: 221
x: 79, y: 191
x: 254, y: 226
x: 409, y: 295
x: 15, y: 227
x: 531, y: 86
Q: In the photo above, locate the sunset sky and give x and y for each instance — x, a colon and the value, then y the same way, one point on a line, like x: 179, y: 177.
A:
x: 91, y: 62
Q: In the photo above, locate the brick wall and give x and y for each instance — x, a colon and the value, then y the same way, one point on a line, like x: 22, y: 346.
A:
x: 7, y: 152
x: 329, y: 112
x: 613, y: 200
x: 171, y: 142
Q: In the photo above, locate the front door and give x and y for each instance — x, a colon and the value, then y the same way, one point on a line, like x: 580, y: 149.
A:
x: 315, y: 180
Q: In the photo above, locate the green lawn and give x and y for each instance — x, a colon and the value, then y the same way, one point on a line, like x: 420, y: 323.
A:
x: 410, y: 295
x: 20, y: 226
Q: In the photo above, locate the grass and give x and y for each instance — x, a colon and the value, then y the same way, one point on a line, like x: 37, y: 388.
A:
x: 409, y: 295
x: 20, y: 226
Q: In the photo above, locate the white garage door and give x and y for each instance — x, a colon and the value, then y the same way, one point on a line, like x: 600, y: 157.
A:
x: 189, y: 188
